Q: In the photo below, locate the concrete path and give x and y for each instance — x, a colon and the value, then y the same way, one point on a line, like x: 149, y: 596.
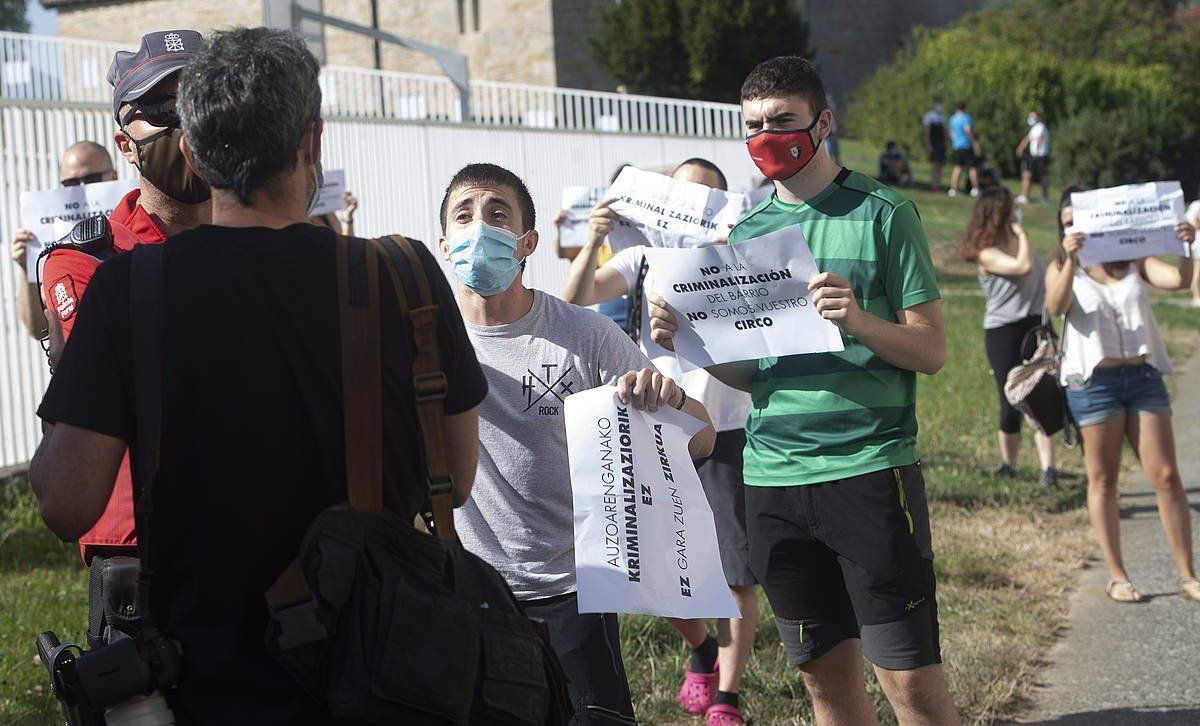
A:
x: 1134, y: 664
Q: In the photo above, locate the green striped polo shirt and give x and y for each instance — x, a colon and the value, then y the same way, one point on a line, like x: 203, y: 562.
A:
x: 826, y: 416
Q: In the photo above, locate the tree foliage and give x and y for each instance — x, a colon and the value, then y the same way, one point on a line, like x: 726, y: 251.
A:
x: 694, y: 48
x: 12, y: 16
x: 1112, y: 78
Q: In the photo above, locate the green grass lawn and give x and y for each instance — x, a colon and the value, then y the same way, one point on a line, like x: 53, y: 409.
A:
x: 1007, y: 552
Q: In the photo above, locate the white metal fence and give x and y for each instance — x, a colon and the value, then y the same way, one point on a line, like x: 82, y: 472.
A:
x: 397, y: 165
x: 57, y: 69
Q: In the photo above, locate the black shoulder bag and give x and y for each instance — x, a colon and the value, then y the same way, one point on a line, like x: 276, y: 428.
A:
x: 382, y: 623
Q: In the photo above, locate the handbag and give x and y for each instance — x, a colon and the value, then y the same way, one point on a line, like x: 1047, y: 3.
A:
x: 380, y: 622
x: 1033, y: 387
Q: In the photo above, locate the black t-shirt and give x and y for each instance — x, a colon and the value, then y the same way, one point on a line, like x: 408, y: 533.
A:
x: 252, y: 442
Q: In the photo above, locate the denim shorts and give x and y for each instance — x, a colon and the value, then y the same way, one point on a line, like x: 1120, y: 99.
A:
x: 1134, y: 388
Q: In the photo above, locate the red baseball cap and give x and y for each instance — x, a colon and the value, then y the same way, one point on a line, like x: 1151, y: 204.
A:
x: 162, y: 53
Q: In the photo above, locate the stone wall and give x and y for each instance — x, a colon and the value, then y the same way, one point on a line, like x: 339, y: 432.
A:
x: 854, y: 37
x: 514, y: 43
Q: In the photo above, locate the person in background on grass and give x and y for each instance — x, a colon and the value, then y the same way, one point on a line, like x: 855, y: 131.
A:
x: 536, y: 350
x: 836, y: 512
x: 1193, y: 218
x: 84, y: 162
x: 1113, y: 366
x: 341, y: 221
x: 1013, y: 281
x: 1034, y: 153
x: 712, y: 680
x: 934, y: 126
x: 616, y: 309
x: 893, y: 166
x: 966, y: 149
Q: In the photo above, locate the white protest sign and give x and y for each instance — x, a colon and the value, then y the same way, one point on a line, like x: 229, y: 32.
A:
x: 645, y: 541
x: 663, y: 212
x: 578, y: 203
x: 47, y: 212
x: 333, y: 185
x: 744, y: 301
x: 1128, y: 222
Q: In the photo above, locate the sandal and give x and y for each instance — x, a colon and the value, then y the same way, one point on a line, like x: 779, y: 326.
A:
x: 722, y: 714
x: 1189, y: 590
x: 1135, y: 596
x: 697, y: 692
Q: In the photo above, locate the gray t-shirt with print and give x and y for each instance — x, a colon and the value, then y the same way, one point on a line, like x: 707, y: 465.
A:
x: 520, y: 517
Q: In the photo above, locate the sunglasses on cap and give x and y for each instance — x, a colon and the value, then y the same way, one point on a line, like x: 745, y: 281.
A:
x: 157, y: 111
x: 92, y: 178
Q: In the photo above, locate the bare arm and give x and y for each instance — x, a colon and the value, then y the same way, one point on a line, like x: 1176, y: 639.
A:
x: 916, y: 342
x: 648, y: 389
x: 1023, y: 145
x: 29, y: 298
x: 461, y: 434
x: 1164, y: 275
x: 567, y: 253
x: 1060, y: 277
x: 585, y: 284
x: 72, y: 474
x: 663, y: 325
x: 995, y: 262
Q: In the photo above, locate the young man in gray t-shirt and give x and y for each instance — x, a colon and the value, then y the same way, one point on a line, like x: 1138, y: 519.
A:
x: 535, y: 351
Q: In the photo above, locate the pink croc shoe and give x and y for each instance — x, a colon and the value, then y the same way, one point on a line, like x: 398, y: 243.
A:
x: 722, y: 714
x: 696, y: 693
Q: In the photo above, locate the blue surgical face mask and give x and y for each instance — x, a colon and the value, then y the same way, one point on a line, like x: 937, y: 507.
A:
x: 1031, y: 121
x: 483, y: 258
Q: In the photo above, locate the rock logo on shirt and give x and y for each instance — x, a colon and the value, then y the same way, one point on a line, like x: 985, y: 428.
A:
x: 536, y: 387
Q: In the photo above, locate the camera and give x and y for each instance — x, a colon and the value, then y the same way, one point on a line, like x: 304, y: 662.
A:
x: 118, y: 684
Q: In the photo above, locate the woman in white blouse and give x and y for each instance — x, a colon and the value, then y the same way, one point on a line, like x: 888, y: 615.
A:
x: 1113, y: 363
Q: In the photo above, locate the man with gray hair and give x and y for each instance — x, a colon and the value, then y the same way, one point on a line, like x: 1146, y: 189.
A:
x: 252, y: 439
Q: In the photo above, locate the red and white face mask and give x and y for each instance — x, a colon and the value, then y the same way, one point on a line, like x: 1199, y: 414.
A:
x: 781, y: 154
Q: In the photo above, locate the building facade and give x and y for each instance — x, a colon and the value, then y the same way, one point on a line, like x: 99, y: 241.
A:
x: 538, y: 42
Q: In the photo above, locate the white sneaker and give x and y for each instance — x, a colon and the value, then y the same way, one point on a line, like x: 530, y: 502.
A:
x: 1022, y: 199
x: 952, y: 193
x: 975, y: 191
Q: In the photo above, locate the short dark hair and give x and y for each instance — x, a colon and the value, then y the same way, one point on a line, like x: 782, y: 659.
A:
x: 786, y: 75
x: 491, y: 175
x: 707, y: 166
x: 961, y: 105
x: 245, y: 101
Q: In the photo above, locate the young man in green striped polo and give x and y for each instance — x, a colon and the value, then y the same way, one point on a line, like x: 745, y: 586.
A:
x: 835, y: 501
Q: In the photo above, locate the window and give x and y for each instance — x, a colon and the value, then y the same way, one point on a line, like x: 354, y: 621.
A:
x: 475, y: 14
x: 462, y: 19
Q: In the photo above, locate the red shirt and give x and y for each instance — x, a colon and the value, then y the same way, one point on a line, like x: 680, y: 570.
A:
x: 65, y: 277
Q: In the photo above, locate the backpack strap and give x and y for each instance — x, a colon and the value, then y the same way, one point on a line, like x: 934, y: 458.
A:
x: 429, y: 383
x: 362, y: 376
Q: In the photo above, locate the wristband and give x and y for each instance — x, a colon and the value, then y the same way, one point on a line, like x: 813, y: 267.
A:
x: 682, y: 399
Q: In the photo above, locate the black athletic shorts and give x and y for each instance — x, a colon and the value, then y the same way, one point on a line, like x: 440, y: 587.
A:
x: 849, y: 558
x: 589, y: 647
x: 1035, y: 165
x: 965, y: 157
x: 721, y: 476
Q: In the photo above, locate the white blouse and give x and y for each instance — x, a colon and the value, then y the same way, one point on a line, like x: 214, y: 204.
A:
x: 1109, y: 321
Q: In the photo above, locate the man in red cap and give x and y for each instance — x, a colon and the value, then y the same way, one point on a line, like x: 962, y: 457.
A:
x: 170, y: 199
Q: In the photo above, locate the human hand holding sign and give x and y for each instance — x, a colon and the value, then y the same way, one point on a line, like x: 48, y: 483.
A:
x: 648, y: 389
x: 20, y: 247
x: 1185, y: 232
x: 834, y: 300
x: 601, y: 222
x: 662, y: 322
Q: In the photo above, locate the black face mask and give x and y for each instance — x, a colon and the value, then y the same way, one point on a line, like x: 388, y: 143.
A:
x: 164, y: 166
